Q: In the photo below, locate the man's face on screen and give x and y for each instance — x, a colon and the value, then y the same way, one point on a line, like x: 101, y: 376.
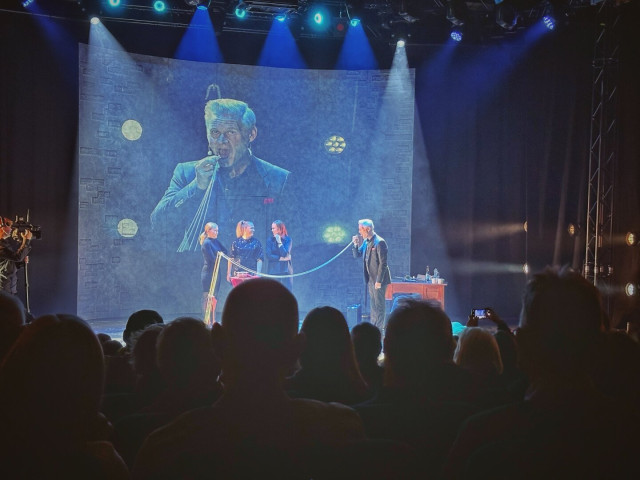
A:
x: 226, y: 140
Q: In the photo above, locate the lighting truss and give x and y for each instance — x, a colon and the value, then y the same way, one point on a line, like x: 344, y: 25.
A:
x: 603, y: 151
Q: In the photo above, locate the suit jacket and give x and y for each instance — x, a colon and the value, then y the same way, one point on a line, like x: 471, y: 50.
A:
x: 183, y: 189
x: 375, y: 265
x: 243, y: 199
x: 276, y: 267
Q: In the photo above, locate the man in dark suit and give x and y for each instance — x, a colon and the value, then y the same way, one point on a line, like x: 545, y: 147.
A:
x: 228, y: 185
x: 376, y: 271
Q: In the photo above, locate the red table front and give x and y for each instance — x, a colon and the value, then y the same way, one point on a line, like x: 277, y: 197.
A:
x: 235, y: 281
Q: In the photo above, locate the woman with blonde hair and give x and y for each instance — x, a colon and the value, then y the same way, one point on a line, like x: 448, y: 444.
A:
x: 246, y: 250
x: 210, y: 246
x: 477, y: 352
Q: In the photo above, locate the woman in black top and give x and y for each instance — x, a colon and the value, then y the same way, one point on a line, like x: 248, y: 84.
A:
x: 210, y: 248
x: 279, y: 253
x: 246, y: 249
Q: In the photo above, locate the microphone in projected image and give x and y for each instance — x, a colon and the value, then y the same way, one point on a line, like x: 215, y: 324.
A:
x: 206, y: 170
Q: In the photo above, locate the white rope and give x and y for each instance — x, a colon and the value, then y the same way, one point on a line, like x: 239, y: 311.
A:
x: 267, y: 275
x: 191, y: 234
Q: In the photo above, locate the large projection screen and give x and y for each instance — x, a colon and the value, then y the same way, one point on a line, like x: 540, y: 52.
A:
x: 345, y: 136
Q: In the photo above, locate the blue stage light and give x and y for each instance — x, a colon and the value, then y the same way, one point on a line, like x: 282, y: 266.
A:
x: 241, y: 10
x: 354, y: 22
x: 114, y: 3
x: 281, y: 17
x: 159, y: 6
x: 456, y: 35
x: 201, y: 7
x: 401, y: 43
x: 319, y: 18
x: 549, y: 22
x: 26, y: 3
x: 94, y: 20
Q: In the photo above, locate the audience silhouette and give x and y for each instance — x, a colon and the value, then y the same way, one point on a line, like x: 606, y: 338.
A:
x: 424, y: 394
x: 559, y: 399
x: 121, y: 386
x: 189, y: 371
x: 328, y: 368
x: 254, y: 430
x: 148, y: 379
x: 51, y: 382
x: 367, y: 345
x: 12, y: 319
x: 477, y: 352
x: 565, y: 427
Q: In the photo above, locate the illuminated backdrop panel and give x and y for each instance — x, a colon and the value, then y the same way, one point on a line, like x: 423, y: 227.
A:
x: 345, y: 136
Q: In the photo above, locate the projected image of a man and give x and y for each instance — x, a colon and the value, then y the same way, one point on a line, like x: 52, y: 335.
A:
x: 229, y: 184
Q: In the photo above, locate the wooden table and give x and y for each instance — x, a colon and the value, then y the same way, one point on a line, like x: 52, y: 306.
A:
x: 428, y: 291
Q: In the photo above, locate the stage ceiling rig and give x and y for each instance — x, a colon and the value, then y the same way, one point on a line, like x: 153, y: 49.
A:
x: 419, y: 22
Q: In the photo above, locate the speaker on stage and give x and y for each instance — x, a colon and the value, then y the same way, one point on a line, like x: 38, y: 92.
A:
x: 354, y: 313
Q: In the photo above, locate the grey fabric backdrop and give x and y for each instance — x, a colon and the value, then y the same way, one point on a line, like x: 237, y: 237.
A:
x: 296, y: 110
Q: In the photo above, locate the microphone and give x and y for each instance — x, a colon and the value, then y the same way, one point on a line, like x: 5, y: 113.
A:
x: 213, y: 160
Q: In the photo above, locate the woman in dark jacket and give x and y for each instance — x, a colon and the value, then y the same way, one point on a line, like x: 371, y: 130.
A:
x: 279, y: 253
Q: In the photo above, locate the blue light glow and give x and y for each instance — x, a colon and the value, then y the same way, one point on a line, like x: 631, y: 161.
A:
x: 354, y: 22
x: 281, y: 18
x: 549, y: 22
x: 159, y: 6
x: 356, y: 52
x: 280, y: 48
x: 456, y: 35
x: 201, y: 7
x: 114, y: 3
x: 241, y: 11
x: 26, y: 3
x: 199, y: 43
x: 320, y: 19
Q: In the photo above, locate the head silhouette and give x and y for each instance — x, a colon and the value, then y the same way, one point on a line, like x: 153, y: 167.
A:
x: 561, y: 322
x: 52, y: 381
x: 137, y: 322
x: 185, y: 354
x: 418, y: 340
x: 12, y: 319
x: 258, y: 336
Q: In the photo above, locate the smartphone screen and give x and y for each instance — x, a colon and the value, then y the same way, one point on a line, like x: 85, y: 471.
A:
x: 480, y: 312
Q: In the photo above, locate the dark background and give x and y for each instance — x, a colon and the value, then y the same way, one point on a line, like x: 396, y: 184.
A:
x: 502, y: 135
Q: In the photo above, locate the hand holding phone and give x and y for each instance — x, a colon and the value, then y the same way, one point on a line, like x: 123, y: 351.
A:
x: 480, y: 312
x: 476, y: 314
